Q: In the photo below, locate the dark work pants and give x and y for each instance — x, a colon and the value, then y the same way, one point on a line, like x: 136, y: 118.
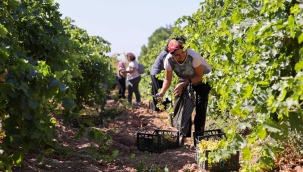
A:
x: 156, y: 85
x: 133, y: 87
x: 202, y: 91
x: 122, y: 87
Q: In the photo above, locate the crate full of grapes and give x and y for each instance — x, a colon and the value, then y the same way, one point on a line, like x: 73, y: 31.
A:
x: 158, y: 141
x: 218, y: 132
x: 206, y: 149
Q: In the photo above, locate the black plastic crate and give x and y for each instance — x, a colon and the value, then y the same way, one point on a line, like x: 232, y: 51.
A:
x: 85, y: 119
x: 231, y: 164
x: 207, y: 133
x: 159, y: 141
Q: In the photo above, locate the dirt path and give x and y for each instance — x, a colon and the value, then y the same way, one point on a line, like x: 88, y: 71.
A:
x: 120, y: 153
x: 83, y: 155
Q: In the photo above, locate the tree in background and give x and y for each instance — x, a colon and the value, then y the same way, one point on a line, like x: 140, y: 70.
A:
x: 160, y: 34
x: 156, y: 43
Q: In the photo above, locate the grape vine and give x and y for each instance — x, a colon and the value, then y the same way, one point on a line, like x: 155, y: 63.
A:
x: 47, y: 65
x: 255, y: 50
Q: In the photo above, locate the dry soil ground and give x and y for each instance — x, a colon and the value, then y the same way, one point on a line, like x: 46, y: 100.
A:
x: 83, y: 155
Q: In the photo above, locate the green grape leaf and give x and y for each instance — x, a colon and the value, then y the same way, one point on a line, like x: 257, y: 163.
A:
x: 269, y: 151
x: 295, y: 9
x: 300, y: 39
x: 291, y: 25
x: 251, y: 138
x: 241, y: 140
x: 299, y: 66
x: 3, y: 31
x: 263, y: 84
x: 246, y: 153
x: 17, y: 157
x: 295, y: 121
x: 267, y: 161
x: 272, y: 126
x: 68, y: 104
x: 244, y: 125
x: 247, y: 92
x: 69, y: 78
x: 7, y: 90
x: 35, y: 134
x: 140, y: 166
x: 261, y: 132
x: 236, y: 16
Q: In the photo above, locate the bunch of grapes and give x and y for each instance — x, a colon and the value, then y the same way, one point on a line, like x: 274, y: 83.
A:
x: 159, y: 104
x: 208, y: 145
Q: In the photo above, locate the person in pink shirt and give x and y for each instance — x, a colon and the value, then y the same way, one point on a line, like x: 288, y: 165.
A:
x: 121, y: 79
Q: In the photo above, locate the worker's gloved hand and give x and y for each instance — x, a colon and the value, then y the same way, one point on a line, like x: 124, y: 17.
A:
x: 158, y: 95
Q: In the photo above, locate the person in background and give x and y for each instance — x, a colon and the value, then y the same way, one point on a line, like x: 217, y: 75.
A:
x: 157, y: 67
x: 121, y: 79
x: 190, y: 67
x: 133, y: 78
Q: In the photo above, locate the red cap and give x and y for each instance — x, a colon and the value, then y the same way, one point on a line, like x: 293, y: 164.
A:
x: 174, y: 45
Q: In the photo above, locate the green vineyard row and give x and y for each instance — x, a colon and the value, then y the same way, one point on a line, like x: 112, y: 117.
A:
x: 48, y: 66
x: 256, y: 51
